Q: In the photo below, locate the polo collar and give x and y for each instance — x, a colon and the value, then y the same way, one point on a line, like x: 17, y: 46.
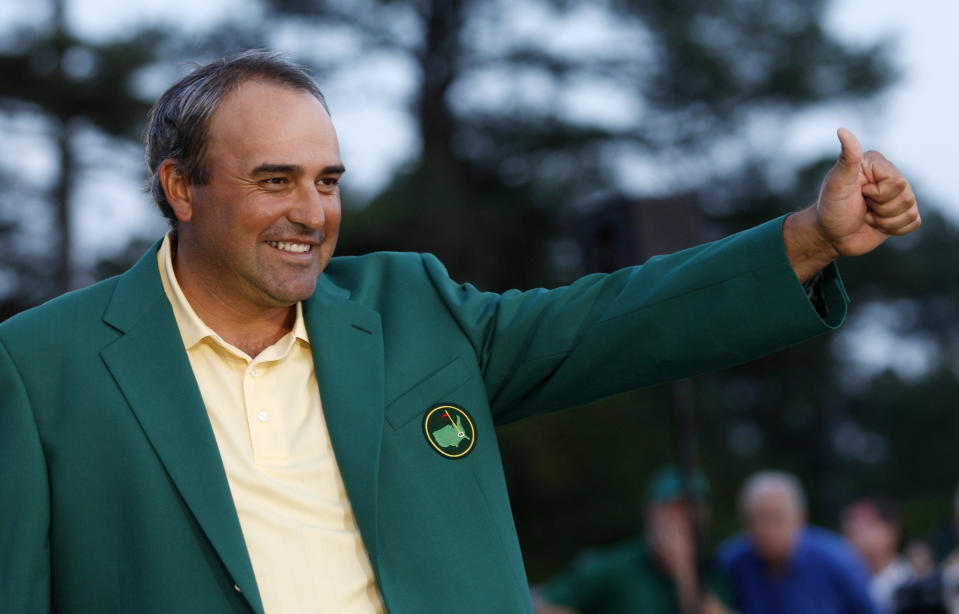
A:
x: 193, y: 329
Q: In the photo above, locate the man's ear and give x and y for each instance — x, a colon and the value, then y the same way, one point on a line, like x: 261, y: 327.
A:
x: 176, y: 188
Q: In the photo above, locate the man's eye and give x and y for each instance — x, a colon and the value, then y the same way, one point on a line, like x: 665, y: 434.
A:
x: 275, y: 180
x: 330, y: 181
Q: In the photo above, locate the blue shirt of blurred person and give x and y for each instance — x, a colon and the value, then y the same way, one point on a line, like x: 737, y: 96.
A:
x: 823, y: 576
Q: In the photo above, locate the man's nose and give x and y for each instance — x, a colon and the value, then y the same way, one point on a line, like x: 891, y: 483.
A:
x: 309, y: 208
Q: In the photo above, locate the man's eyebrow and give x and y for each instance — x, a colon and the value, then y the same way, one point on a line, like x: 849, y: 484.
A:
x: 267, y: 167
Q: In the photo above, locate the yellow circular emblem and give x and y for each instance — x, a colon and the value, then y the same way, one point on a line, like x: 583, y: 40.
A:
x: 449, y: 430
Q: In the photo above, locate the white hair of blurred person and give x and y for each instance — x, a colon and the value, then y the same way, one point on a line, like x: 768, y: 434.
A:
x: 773, y: 506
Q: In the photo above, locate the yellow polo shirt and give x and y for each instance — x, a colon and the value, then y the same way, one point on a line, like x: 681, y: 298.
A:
x: 299, y: 528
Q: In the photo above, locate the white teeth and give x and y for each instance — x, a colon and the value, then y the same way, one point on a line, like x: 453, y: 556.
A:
x: 286, y: 246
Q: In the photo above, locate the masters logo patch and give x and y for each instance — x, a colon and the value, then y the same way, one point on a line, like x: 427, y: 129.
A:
x: 450, y: 431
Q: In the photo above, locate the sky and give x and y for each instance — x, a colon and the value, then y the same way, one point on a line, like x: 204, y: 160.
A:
x: 914, y: 125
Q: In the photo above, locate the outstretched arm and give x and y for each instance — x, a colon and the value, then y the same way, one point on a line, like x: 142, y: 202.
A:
x: 863, y: 201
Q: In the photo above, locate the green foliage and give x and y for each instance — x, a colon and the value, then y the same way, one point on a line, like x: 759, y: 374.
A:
x: 487, y: 234
x: 69, y: 78
x: 71, y: 84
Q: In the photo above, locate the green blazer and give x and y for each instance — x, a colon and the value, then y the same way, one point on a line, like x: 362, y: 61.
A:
x: 113, y: 497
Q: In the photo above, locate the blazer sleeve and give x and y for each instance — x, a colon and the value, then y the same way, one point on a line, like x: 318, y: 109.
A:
x: 701, y: 309
x: 24, y: 501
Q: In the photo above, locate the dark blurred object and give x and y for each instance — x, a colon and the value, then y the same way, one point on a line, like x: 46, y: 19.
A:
x: 924, y: 593
x: 618, y: 231
x: 950, y: 566
x: 923, y: 596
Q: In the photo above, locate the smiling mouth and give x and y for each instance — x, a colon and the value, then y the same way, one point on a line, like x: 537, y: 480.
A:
x: 290, y: 246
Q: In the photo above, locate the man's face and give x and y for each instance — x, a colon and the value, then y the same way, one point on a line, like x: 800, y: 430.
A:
x: 265, y: 225
x: 773, y: 522
x: 669, y: 531
x: 870, y: 535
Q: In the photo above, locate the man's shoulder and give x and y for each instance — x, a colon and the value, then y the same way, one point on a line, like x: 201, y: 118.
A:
x: 371, y: 263
x: 822, y: 540
x: 77, y: 307
x: 379, y: 276
x: 827, y: 550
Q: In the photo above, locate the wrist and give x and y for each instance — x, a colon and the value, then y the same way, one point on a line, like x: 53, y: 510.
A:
x: 808, y: 249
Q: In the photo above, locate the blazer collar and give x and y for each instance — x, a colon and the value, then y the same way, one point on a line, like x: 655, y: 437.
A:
x: 347, y: 342
x: 136, y: 291
x: 150, y: 365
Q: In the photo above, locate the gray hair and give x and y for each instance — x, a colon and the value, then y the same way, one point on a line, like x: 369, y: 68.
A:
x: 778, y: 481
x: 180, y: 119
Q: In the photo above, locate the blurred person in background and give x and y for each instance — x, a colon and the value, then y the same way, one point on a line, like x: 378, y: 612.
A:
x: 950, y: 567
x: 781, y: 565
x: 656, y: 572
x: 872, y: 527
x: 922, y: 592
x: 922, y: 562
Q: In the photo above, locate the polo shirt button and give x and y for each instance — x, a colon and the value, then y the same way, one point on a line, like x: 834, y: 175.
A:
x: 263, y: 417
x: 253, y: 372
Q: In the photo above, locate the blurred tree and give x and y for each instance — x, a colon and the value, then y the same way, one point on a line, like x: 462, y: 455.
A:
x: 499, y: 100
x: 72, y: 85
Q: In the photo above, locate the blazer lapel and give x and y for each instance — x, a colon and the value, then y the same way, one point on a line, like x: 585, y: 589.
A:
x: 347, y: 343
x: 150, y: 365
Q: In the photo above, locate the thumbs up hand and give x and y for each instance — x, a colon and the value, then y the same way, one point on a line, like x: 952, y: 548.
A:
x: 863, y: 201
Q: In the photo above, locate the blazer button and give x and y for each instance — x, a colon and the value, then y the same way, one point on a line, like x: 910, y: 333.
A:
x: 237, y: 588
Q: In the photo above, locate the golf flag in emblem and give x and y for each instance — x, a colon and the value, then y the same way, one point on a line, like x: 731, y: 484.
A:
x: 449, y: 430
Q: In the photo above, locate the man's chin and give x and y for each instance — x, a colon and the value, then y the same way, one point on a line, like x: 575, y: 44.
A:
x: 293, y: 293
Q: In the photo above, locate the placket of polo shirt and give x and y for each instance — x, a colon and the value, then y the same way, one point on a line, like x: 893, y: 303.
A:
x: 262, y: 401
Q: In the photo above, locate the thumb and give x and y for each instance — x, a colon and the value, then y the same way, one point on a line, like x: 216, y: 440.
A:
x: 850, y: 157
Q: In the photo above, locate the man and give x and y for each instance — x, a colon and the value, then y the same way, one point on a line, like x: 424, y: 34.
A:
x: 781, y: 566
x: 242, y: 424
x: 872, y: 527
x: 656, y: 572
